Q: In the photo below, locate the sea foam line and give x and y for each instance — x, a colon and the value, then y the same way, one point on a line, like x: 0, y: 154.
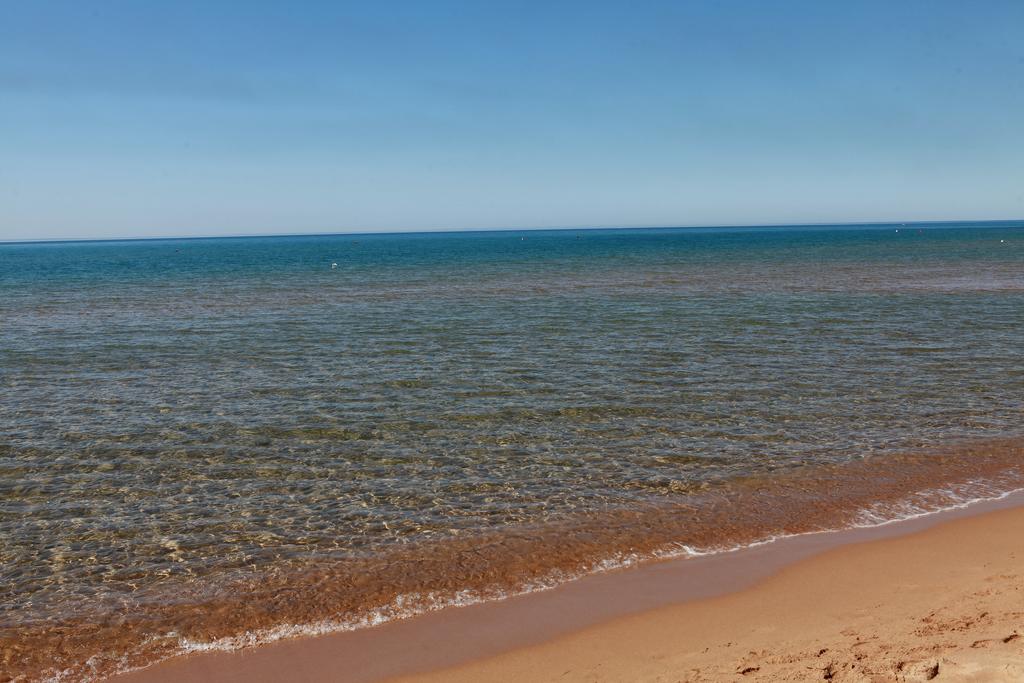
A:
x: 409, y: 605
x: 416, y: 604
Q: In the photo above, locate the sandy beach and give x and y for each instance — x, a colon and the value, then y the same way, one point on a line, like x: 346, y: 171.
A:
x: 917, y: 601
x: 945, y: 604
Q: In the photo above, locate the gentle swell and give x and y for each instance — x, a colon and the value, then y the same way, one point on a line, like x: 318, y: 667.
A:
x: 348, y: 593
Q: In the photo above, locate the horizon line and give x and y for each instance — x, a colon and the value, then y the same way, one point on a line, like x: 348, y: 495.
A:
x: 721, y: 226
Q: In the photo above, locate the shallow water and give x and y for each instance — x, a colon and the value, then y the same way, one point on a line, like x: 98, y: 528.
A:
x: 206, y: 438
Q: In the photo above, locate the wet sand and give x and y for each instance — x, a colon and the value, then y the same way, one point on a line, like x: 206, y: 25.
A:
x: 946, y: 604
x: 889, y: 603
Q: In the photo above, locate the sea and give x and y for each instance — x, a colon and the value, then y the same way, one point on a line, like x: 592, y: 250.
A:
x: 215, y: 443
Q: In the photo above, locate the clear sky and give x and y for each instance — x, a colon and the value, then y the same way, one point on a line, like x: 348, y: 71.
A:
x: 181, y: 118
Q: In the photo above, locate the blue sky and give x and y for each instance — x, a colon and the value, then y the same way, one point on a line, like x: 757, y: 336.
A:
x: 185, y: 118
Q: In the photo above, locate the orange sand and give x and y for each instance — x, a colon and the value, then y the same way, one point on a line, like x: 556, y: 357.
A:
x: 946, y: 603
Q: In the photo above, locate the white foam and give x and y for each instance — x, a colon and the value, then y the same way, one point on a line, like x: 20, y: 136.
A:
x: 405, y: 606
x: 415, y: 604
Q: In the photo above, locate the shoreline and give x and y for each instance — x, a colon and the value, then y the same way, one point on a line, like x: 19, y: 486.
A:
x: 945, y: 603
x: 485, y: 633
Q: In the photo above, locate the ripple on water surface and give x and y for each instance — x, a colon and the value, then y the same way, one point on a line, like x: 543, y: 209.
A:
x: 215, y: 437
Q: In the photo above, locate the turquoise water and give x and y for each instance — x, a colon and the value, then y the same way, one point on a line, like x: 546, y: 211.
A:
x: 182, y: 415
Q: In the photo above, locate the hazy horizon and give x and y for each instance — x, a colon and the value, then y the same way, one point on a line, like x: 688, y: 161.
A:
x: 207, y: 119
x: 865, y: 225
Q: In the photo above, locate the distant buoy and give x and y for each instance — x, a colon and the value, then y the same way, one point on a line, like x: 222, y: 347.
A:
x: 1002, y: 241
x: 333, y: 266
